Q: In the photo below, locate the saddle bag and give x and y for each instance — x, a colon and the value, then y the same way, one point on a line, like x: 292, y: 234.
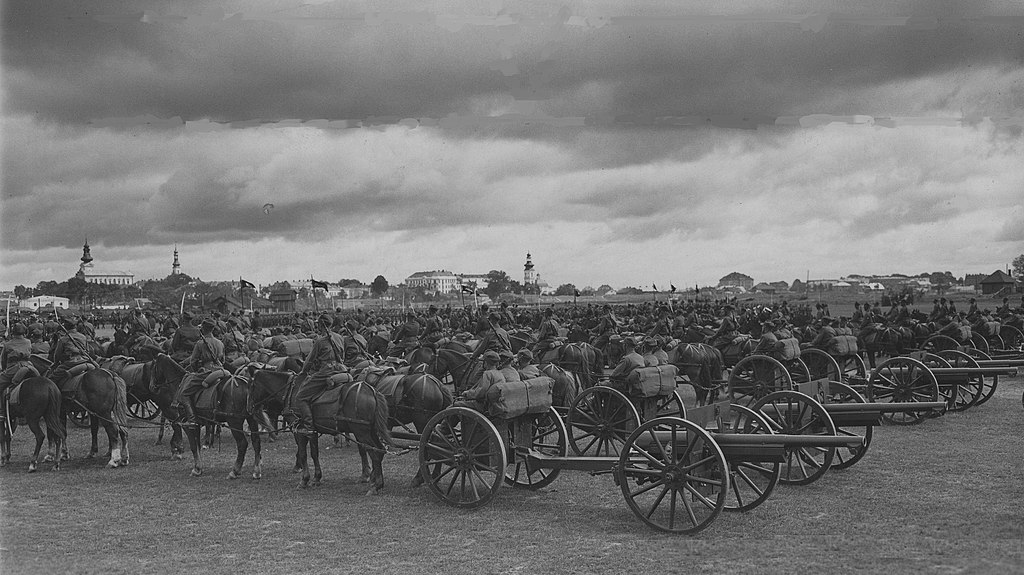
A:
x: 842, y: 345
x: 80, y: 368
x: 514, y: 398
x: 844, y: 331
x: 965, y: 333
x: 652, y: 381
x: 291, y: 348
x: 787, y: 349
x: 215, y: 376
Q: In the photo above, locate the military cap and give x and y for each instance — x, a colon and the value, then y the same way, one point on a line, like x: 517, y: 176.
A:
x: 505, y: 354
x: 491, y: 355
x: 526, y: 353
x: 630, y: 341
x: 19, y: 329
x: 207, y: 325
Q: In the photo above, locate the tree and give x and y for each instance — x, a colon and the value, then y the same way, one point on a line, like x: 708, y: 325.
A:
x: 1018, y: 266
x: 21, y: 292
x: 498, y: 283
x: 630, y: 290
x: 605, y: 288
x: 379, y: 287
x: 566, y: 289
x: 587, y: 291
x: 797, y: 286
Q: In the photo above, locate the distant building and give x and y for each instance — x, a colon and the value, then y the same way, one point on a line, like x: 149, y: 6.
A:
x: 764, y: 288
x: 736, y: 279
x: 283, y: 300
x: 997, y: 282
x: 481, y: 280
x: 88, y: 273
x: 34, y: 303
x: 438, y: 281
x: 175, y: 267
x: 529, y: 274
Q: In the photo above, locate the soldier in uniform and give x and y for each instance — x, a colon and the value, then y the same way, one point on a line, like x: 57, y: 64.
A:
x: 184, y: 339
x: 207, y: 356
x: 524, y: 363
x: 407, y: 336
x: 434, y: 328
x: 324, y: 360
x: 69, y: 351
x: 139, y: 330
x: 606, y: 327
x: 476, y: 396
x: 15, y: 355
x: 509, y: 372
x: 630, y: 361
x: 828, y: 331
x: 727, y: 331
x: 547, y: 333
x: 495, y: 340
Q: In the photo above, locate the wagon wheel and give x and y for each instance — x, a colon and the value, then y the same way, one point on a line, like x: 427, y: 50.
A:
x: 937, y: 343
x: 854, y: 370
x: 979, y: 341
x: 462, y: 457
x: 821, y: 365
x: 673, y: 475
x: 795, y: 413
x: 549, y: 438
x: 600, y: 419
x: 139, y: 409
x: 671, y: 405
x: 847, y: 456
x: 750, y: 482
x: 988, y: 386
x: 798, y: 370
x: 969, y: 393
x: 1012, y: 337
x: 947, y: 391
x: 902, y: 380
x: 756, y: 376
x: 995, y: 342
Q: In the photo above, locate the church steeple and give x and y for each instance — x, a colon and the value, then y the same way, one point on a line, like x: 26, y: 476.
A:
x: 175, y: 267
x: 86, y: 256
x: 529, y: 276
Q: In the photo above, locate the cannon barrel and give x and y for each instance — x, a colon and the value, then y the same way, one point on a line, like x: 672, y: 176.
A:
x: 1001, y: 362
x: 984, y: 371
x: 884, y: 407
x: 763, y: 439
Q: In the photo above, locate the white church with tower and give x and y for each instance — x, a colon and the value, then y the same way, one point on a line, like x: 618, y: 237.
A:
x: 87, y: 272
x: 531, y: 278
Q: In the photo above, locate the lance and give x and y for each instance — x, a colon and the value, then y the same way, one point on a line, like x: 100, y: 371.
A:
x: 75, y: 341
x: 181, y: 309
x: 7, y: 326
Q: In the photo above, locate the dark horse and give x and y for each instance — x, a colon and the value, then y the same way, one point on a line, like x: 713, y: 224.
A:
x: 148, y: 382
x: 355, y: 408
x: 457, y: 364
x: 880, y: 339
x: 583, y: 360
x: 226, y: 402
x: 104, y: 396
x: 703, y: 366
x: 39, y: 399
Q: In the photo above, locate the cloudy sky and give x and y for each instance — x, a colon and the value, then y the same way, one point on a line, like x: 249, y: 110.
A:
x: 620, y: 143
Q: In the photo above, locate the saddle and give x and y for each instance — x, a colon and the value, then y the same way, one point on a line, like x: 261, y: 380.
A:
x: 73, y: 380
x: 211, y: 398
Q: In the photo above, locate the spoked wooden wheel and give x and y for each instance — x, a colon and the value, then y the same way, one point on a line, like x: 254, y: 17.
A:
x: 947, y: 391
x: 938, y: 343
x: 750, y: 482
x: 847, y: 456
x: 795, y: 413
x: 1012, y: 337
x: 549, y: 438
x: 756, y: 376
x: 600, y: 419
x: 673, y: 475
x: 988, y: 385
x: 821, y: 365
x: 138, y: 409
x: 979, y: 341
x: 671, y: 405
x: 854, y: 370
x: 967, y: 394
x: 462, y: 457
x: 798, y: 370
x: 903, y: 380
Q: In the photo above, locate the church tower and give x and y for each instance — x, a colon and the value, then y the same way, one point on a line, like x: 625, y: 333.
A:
x: 529, y: 275
x: 86, y: 260
x: 175, y: 267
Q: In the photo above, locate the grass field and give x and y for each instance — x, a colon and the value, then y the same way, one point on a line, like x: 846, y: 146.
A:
x: 946, y: 496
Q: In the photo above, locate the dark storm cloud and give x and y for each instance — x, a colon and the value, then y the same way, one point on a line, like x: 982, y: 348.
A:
x: 78, y: 62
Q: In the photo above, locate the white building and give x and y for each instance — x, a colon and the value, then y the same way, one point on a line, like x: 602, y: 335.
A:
x: 436, y: 281
x: 90, y: 274
x: 34, y: 303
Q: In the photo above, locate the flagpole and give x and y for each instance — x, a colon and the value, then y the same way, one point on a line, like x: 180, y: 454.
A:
x: 7, y: 326
x: 181, y: 309
x: 241, y: 290
x: 316, y: 307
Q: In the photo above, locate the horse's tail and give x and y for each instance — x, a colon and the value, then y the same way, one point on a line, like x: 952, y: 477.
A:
x: 119, y: 413
x: 381, y: 417
x: 54, y: 422
x: 447, y: 397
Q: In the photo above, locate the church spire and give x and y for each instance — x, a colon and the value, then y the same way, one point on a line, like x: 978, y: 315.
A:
x: 86, y: 256
x: 175, y: 267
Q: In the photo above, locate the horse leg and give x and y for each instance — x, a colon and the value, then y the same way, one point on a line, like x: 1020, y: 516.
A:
x: 377, y: 476
x: 94, y: 430
x: 241, y: 447
x: 114, y: 440
x: 364, y: 476
x: 160, y: 434
x: 33, y: 424
x: 192, y: 433
x: 123, y: 436
x: 301, y: 463
x: 176, y: 448
x: 257, y: 448
x: 5, y: 444
x: 314, y: 451
x: 54, y: 439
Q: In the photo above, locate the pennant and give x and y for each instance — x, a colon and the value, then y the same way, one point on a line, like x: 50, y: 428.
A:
x: 318, y: 284
x: 467, y: 289
x: 576, y: 293
x: 655, y: 287
x: 673, y: 290
x: 246, y: 284
x: 696, y: 288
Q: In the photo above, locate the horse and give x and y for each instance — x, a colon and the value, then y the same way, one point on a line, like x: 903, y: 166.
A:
x: 228, y: 402
x: 104, y: 396
x: 157, y: 381
x: 703, y: 365
x: 464, y: 372
x: 520, y: 338
x: 584, y: 360
x: 878, y: 338
x: 39, y: 398
x: 355, y: 408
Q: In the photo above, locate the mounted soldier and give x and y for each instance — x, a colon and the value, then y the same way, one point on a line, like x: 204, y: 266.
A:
x: 524, y: 363
x: 407, y: 336
x: 434, y: 328
x: 207, y: 357
x: 630, y: 361
x: 184, y: 339
x: 508, y: 371
x: 325, y: 359
x: 496, y: 339
x: 728, y: 329
x: 14, y: 359
x: 547, y: 334
x: 476, y: 396
x: 69, y: 351
x: 606, y: 327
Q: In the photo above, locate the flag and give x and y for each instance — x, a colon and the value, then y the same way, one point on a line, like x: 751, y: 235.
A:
x: 468, y: 289
x: 655, y: 287
x: 576, y: 293
x: 673, y: 290
x: 696, y: 288
x: 318, y: 284
x: 246, y: 284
